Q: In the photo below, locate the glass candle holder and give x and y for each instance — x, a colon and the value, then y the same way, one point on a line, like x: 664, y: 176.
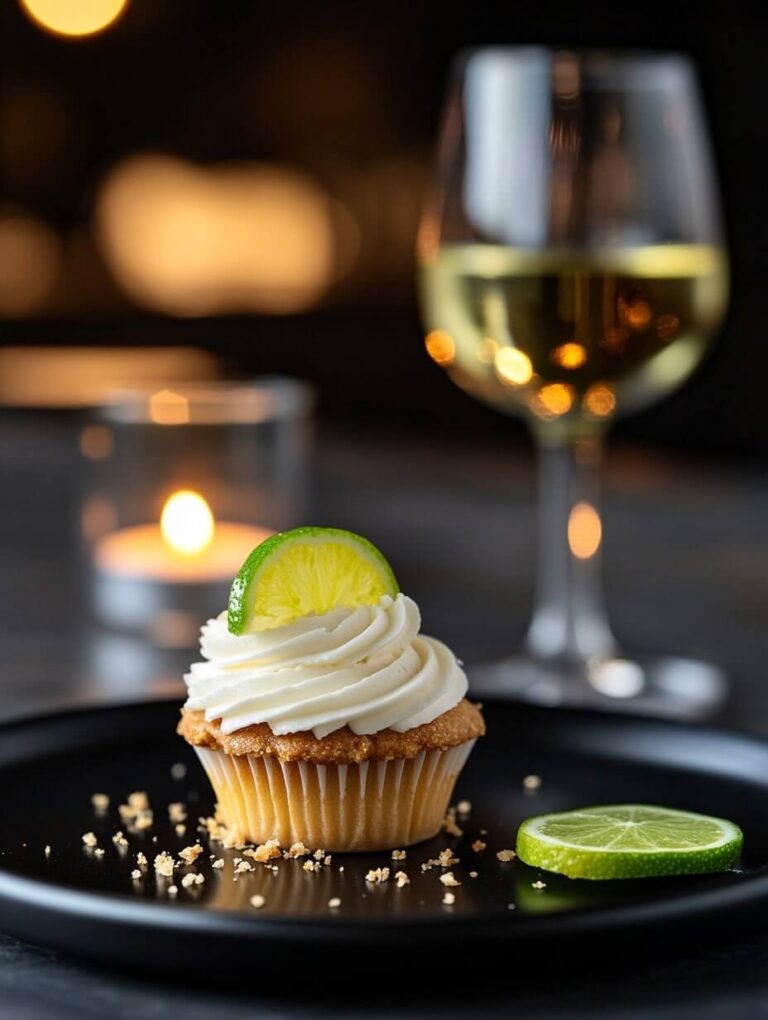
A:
x: 181, y: 484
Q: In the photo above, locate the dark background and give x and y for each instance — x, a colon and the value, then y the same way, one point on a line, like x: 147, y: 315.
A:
x: 351, y: 93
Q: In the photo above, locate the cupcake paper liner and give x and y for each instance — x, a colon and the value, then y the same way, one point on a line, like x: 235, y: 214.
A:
x: 373, y: 805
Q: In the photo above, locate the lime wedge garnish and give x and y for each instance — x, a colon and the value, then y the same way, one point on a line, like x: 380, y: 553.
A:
x: 307, y: 570
x: 629, y: 841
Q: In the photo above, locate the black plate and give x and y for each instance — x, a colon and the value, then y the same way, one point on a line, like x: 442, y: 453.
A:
x: 76, y: 901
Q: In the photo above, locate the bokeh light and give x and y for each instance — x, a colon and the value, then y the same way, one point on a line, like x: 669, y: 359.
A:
x: 599, y: 401
x: 635, y: 313
x: 73, y: 18
x: 168, y: 408
x: 570, y: 355
x: 552, y: 401
x: 513, y: 366
x: 440, y: 346
x: 96, y: 442
x: 584, y: 531
x: 30, y: 262
x: 190, y: 241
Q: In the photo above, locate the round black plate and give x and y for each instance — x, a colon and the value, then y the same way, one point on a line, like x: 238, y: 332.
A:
x: 80, y: 902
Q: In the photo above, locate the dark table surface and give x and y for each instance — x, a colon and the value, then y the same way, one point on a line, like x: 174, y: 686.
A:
x: 686, y: 571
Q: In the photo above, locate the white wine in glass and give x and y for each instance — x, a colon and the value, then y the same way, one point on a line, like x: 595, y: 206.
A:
x: 572, y: 269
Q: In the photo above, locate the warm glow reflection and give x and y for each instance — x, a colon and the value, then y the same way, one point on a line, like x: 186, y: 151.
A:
x: 569, y: 355
x: 190, y: 240
x: 667, y: 326
x: 599, y: 401
x: 584, y: 531
x: 634, y: 313
x: 553, y: 400
x: 440, y: 346
x: 513, y: 366
x: 96, y: 442
x: 615, y: 340
x: 73, y: 17
x: 169, y: 408
x: 85, y: 376
x: 30, y: 257
x: 186, y: 522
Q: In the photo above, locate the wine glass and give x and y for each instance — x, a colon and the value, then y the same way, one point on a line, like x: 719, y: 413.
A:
x: 572, y: 269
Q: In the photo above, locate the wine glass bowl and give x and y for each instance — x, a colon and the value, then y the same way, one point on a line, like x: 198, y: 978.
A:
x: 572, y: 269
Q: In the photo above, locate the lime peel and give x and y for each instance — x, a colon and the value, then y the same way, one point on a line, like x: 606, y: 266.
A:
x: 309, y: 570
x: 629, y: 841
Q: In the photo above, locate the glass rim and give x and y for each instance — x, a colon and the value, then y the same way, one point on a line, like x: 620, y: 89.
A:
x: 258, y: 401
x: 593, y: 60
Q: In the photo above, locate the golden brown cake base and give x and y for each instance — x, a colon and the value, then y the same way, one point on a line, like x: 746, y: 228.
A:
x: 459, y: 724
x: 341, y: 793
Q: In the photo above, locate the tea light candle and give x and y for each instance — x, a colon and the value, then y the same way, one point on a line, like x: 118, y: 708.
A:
x: 168, y: 577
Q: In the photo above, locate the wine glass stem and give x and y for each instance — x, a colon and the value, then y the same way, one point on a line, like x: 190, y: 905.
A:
x: 569, y: 620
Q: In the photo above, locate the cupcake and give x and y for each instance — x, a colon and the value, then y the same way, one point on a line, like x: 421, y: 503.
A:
x: 320, y: 713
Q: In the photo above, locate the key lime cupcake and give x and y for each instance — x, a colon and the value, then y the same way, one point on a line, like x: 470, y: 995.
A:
x: 321, y: 714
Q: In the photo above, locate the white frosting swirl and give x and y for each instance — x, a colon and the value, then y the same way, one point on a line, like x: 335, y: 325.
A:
x: 366, y: 668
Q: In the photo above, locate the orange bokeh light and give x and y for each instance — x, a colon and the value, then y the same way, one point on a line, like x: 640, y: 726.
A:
x: 584, y: 531
x: 513, y: 366
x: 599, y: 401
x: 440, y: 346
x: 570, y: 355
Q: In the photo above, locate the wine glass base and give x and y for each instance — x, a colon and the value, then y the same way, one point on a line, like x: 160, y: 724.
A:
x: 665, y: 686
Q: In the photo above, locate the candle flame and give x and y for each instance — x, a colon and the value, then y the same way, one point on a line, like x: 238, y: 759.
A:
x: 186, y: 523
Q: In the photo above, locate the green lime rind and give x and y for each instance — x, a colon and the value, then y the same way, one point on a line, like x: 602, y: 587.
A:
x: 617, y: 841
x: 377, y: 577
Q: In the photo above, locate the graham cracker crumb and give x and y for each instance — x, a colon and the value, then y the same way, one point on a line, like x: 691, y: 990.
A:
x: 327, y: 860
x: 177, y: 812
x: 449, y: 899
x: 478, y: 846
x: 341, y: 868
x: 47, y: 851
x: 401, y: 879
x: 178, y: 770
x: 473, y: 874
x: 192, y: 879
x: 164, y: 864
x: 100, y: 803
x: 135, y: 874
x: 274, y: 869
x: 173, y: 890
x: 319, y: 855
x: 399, y: 855
x: 181, y: 830
x: 141, y: 860
x: 446, y: 858
x: 506, y: 855
x: 538, y: 885
x: 190, y: 853
x: 265, y: 851
x: 257, y: 901
x: 120, y: 841
x: 448, y: 879
x: 511, y: 906
x: 218, y: 864
x: 334, y: 903
x: 377, y: 875
x: 89, y: 838
x: 98, y: 852
x: 296, y: 850
x: 464, y: 807
x: 531, y: 783
x: 243, y: 867
x: 310, y: 866
x: 449, y: 823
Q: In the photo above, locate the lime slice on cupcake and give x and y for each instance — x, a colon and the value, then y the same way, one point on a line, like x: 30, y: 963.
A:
x: 307, y: 570
x: 629, y: 841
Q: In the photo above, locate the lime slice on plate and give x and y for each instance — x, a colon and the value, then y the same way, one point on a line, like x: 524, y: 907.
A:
x: 628, y: 841
x: 307, y: 570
